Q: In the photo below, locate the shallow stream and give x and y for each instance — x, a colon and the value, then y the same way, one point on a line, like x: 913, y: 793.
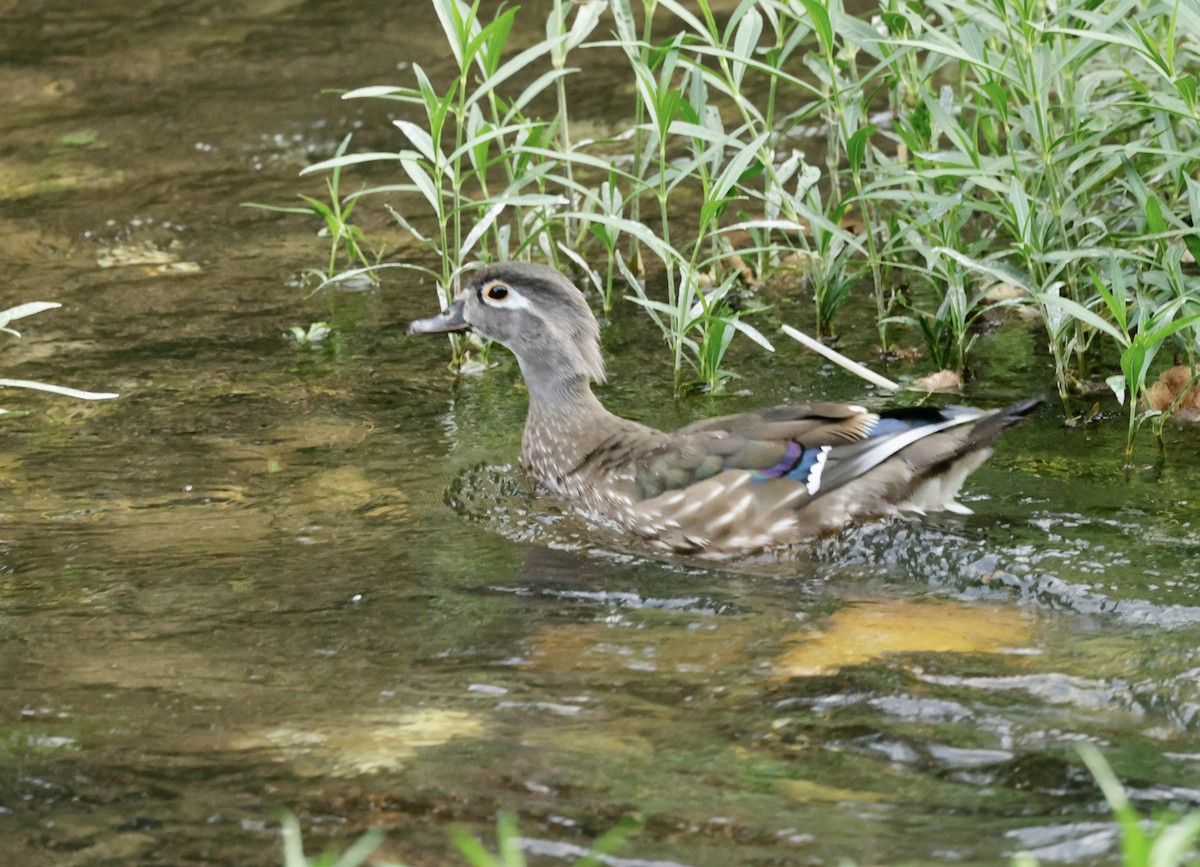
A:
x: 278, y: 577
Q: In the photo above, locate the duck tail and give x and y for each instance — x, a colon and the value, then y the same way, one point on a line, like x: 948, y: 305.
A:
x: 991, y: 426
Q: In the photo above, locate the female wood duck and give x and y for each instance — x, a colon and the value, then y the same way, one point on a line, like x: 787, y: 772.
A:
x: 722, y: 487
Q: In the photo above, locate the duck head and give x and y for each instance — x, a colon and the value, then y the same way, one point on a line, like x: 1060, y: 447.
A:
x: 535, y: 312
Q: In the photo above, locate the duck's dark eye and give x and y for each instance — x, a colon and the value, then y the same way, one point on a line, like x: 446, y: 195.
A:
x: 496, y: 292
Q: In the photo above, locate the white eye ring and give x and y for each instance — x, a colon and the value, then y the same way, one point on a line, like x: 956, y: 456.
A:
x: 497, y: 293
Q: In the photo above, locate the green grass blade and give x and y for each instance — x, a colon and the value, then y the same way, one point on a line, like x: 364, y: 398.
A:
x: 1134, y: 846
x: 1176, y: 844
x: 818, y: 14
x: 360, y: 850
x: 350, y: 160
x: 293, y: 845
x: 1078, y: 311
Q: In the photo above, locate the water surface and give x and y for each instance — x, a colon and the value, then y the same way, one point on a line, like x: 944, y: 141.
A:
x: 275, y: 577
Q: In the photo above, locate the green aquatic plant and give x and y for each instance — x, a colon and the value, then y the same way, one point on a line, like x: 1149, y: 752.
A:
x: 1027, y: 143
x: 357, y: 855
x: 469, y: 135
x: 845, y: 96
x: 832, y: 262
x: 1140, y: 336
x: 1063, y: 129
x: 508, y: 845
x: 1162, y: 841
x: 509, y: 852
x: 315, y: 333
x: 700, y: 325
x: 347, y: 241
x: 610, y: 203
x: 688, y: 149
x: 961, y: 297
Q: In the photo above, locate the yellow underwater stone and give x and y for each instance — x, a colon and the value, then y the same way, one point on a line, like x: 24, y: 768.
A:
x: 870, y: 630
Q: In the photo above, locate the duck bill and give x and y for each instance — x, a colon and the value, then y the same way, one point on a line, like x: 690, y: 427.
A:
x: 450, y: 319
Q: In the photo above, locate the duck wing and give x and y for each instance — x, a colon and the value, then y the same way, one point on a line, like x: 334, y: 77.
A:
x: 789, y: 472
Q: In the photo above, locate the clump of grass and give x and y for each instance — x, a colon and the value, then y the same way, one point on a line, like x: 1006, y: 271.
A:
x: 475, y: 156
x: 1162, y: 841
x: 1049, y: 146
x: 1139, y: 336
x: 346, y: 240
x: 508, y: 843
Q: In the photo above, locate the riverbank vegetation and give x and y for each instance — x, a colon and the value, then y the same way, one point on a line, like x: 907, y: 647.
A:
x: 971, y: 162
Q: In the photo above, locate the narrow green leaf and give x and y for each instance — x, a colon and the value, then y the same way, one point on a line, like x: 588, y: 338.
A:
x: 998, y: 270
x: 281, y: 209
x: 508, y: 840
x: 1135, y: 361
x: 353, y: 273
x: 626, y: 26
x: 737, y: 166
x: 1185, y: 85
x: 745, y: 42
x: 488, y: 135
x: 685, y: 15
x: 361, y: 849
x: 1154, y: 216
x: 1192, y: 240
x: 349, y: 160
x: 1176, y: 843
x: 954, y: 51
x: 446, y: 13
x: 472, y: 849
x: 651, y: 304
x: 780, y: 225
x: 663, y: 251
x: 1160, y: 334
x: 1074, y: 308
x: 479, y: 229
x: 998, y: 95
x: 321, y: 209
x: 517, y: 64
x: 1116, y: 306
x: 818, y: 13
x: 377, y: 91
x: 421, y: 139
x: 751, y: 332
x: 423, y: 181
x: 856, y: 147
x: 587, y: 16
x: 492, y: 39
x: 1117, y: 383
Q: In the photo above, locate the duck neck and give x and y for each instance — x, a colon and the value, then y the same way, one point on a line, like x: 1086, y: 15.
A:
x: 566, y: 423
